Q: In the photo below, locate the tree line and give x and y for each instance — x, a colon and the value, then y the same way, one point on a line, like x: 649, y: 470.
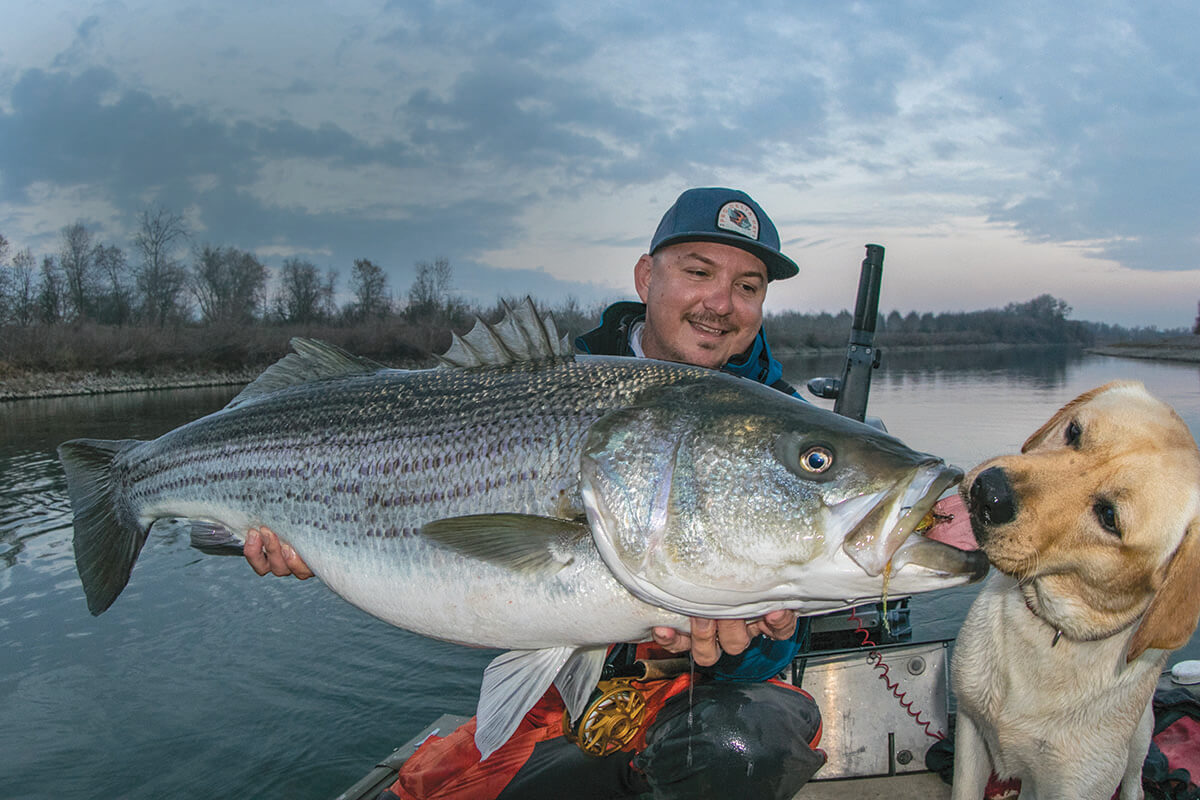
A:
x: 1041, y: 320
x: 162, y: 280
x: 95, y: 304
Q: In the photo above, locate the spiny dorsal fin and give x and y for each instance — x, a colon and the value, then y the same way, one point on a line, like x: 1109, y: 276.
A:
x: 313, y: 360
x: 520, y: 336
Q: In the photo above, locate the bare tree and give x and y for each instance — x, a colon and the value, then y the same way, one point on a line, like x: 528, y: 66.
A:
x: 228, y: 284
x: 77, y: 261
x: 328, y: 294
x: 430, y: 291
x: 23, y: 306
x: 51, y: 297
x: 161, y: 278
x: 115, y: 306
x: 302, y: 295
x: 6, y: 282
x: 369, y: 283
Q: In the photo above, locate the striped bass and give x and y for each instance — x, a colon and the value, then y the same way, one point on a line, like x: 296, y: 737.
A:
x: 523, y: 498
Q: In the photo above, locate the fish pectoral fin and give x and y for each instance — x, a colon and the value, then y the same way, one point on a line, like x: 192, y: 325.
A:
x: 522, y: 542
x: 512, y: 684
x: 214, y: 539
x: 578, y: 678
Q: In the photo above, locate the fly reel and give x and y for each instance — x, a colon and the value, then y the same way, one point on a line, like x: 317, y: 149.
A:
x: 613, y: 717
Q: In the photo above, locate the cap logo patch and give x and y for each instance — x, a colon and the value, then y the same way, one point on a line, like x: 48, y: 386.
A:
x: 739, y: 218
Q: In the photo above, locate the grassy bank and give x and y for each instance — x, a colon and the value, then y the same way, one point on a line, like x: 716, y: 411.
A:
x: 88, y: 358
x: 54, y: 361
x: 1178, y: 348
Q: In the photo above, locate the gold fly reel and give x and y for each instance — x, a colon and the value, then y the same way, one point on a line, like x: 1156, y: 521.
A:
x: 611, y: 720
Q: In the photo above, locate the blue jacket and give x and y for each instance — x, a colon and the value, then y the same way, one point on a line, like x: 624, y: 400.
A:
x: 765, y: 657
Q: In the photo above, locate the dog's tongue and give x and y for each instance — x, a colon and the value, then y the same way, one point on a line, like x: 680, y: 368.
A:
x: 952, y: 525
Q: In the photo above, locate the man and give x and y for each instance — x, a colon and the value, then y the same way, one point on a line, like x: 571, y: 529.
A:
x: 702, y: 286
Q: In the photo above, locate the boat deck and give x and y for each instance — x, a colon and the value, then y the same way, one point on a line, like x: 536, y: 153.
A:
x: 908, y: 786
x: 913, y: 786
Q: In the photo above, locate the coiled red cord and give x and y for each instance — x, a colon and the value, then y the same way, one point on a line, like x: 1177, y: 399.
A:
x: 875, y: 659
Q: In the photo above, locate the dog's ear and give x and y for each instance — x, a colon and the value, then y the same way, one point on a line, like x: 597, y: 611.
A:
x: 1067, y: 411
x: 1175, y: 609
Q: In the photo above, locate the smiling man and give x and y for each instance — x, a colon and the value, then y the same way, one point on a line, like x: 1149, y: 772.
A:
x: 703, y: 302
x: 702, y: 286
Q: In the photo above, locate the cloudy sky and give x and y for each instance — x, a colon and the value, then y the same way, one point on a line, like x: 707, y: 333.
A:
x: 997, y: 150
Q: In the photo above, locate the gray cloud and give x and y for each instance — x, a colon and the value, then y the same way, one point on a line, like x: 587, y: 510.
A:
x: 63, y: 130
x: 1066, y: 126
x: 69, y: 129
x: 1110, y: 106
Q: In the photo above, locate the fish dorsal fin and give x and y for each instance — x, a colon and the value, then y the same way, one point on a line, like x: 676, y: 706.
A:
x: 521, y: 335
x: 312, y: 360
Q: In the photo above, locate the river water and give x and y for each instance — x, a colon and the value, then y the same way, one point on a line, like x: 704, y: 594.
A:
x: 205, y: 680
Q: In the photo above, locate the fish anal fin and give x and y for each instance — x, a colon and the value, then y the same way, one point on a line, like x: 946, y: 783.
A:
x: 522, y: 542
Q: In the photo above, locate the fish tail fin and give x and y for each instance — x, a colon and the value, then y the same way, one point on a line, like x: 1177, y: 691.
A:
x: 105, y: 548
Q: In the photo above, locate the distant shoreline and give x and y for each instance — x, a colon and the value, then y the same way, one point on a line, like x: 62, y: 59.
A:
x: 1185, y: 349
x: 37, y: 385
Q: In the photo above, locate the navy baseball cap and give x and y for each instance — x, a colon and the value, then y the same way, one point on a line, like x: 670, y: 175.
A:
x: 724, y: 216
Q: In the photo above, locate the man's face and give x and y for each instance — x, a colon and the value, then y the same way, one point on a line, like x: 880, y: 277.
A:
x: 703, y: 302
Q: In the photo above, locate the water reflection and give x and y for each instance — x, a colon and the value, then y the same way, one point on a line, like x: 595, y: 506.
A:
x: 1043, y: 368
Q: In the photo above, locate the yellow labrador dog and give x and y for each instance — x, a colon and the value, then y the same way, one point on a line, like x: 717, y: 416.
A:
x: 1094, y: 533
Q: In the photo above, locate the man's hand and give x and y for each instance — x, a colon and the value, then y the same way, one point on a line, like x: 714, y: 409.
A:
x: 266, y: 554
x: 711, y: 637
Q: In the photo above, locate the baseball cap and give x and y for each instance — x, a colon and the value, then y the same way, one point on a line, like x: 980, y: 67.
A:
x: 724, y: 216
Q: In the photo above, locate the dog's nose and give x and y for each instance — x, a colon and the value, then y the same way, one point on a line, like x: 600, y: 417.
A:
x: 992, y: 498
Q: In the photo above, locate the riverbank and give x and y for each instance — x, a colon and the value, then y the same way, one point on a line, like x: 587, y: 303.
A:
x: 32, y: 385
x: 1179, y: 348
x: 21, y: 385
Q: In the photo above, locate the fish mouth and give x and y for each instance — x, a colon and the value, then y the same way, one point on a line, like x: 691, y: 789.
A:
x: 913, y: 525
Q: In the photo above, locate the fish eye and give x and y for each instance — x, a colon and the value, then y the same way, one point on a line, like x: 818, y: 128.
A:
x: 1073, y: 433
x: 816, y: 459
x: 1106, y: 514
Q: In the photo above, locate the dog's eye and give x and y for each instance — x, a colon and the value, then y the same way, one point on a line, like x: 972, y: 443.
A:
x: 1107, y: 515
x: 1073, y: 433
x: 816, y: 459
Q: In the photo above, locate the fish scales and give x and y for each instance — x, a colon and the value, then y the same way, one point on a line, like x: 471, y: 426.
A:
x: 495, y: 434
x: 360, y: 477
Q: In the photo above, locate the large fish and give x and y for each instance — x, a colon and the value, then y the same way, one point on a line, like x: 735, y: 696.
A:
x: 523, y: 498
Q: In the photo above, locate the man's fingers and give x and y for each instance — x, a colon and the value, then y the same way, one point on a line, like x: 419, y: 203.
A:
x: 266, y: 553
x: 733, y: 635
x: 706, y: 649
x: 252, y: 549
x: 780, y: 625
x: 274, y: 551
x: 295, y: 564
x: 671, y: 640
